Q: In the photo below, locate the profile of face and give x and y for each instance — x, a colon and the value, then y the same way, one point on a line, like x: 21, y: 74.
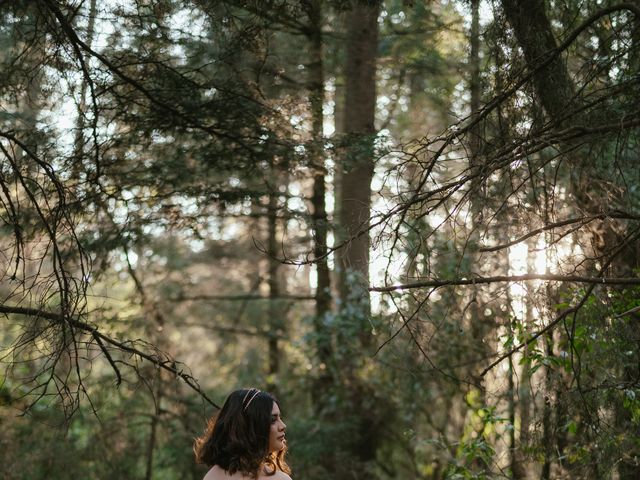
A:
x: 277, y: 430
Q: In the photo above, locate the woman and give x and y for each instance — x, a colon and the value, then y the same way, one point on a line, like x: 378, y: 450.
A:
x: 246, y: 440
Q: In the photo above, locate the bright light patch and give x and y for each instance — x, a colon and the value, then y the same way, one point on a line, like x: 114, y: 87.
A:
x: 313, y: 278
x: 518, y: 259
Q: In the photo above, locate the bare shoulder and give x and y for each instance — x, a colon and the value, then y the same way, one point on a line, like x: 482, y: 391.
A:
x: 217, y: 473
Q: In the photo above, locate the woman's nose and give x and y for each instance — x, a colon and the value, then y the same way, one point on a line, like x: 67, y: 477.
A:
x: 283, y: 425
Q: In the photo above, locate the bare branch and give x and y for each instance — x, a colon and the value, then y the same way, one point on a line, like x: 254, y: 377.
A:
x: 548, y: 277
x: 570, y: 221
x: 165, y: 363
x: 216, y: 298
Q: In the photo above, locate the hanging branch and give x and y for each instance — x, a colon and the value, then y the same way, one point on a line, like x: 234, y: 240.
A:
x: 79, y: 47
x: 499, y: 159
x: 164, y: 362
x: 573, y: 310
x: 548, y: 277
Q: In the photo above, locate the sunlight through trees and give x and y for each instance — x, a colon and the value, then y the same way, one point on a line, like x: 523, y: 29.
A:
x: 416, y: 223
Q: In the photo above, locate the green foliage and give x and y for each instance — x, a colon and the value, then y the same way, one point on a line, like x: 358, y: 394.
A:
x: 165, y: 167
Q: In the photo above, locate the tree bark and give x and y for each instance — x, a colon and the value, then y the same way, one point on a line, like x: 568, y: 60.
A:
x: 319, y: 217
x: 556, y: 92
x: 275, y: 312
x: 532, y: 29
x: 357, y: 163
x: 354, y: 210
x: 475, y: 84
x: 478, y: 328
x: 153, y: 427
x: 79, y: 140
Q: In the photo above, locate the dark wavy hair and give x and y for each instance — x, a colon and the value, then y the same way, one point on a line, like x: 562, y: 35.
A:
x: 237, y: 438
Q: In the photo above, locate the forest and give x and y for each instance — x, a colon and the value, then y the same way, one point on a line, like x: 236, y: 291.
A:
x: 417, y: 223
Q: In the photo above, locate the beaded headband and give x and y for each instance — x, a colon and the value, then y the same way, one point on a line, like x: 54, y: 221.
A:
x: 251, y: 399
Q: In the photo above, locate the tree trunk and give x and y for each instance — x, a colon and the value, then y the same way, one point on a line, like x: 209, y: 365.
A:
x: 556, y: 92
x: 319, y: 217
x: 275, y: 312
x: 475, y: 143
x: 547, y: 414
x: 153, y: 427
x: 514, y: 460
x: 478, y: 327
x: 533, y: 31
x: 354, y: 207
x: 475, y: 83
x: 358, y: 163
x: 79, y: 141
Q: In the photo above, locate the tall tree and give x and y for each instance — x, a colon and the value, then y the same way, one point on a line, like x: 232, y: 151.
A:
x: 357, y: 162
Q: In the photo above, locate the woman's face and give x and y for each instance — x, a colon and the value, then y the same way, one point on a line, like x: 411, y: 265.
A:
x: 276, y: 434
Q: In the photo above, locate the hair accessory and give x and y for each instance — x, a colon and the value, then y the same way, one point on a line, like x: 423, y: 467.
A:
x: 246, y: 395
x: 251, y: 399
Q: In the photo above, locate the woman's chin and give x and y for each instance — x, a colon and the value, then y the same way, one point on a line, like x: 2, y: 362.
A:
x: 278, y: 445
